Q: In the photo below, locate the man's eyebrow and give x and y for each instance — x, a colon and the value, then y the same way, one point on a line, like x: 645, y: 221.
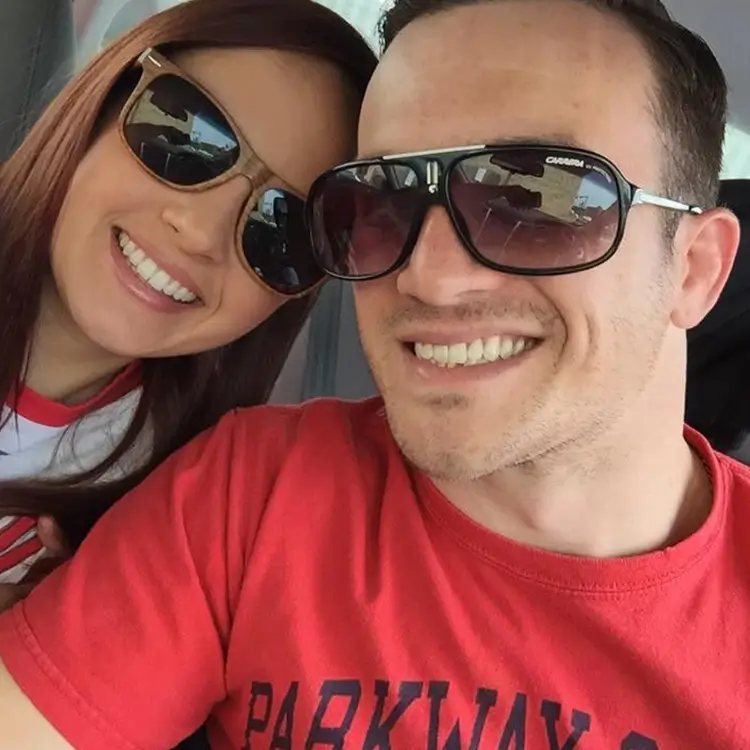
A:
x: 564, y: 140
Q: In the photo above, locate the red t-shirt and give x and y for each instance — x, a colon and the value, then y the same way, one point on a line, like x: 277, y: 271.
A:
x: 291, y: 577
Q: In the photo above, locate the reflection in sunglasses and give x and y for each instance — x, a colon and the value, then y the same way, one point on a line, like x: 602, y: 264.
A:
x: 183, y: 108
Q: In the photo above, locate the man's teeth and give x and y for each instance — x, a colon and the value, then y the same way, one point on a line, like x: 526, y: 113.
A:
x: 154, y: 276
x: 477, y: 352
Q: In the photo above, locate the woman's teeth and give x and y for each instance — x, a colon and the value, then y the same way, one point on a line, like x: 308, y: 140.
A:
x: 477, y: 352
x: 154, y: 276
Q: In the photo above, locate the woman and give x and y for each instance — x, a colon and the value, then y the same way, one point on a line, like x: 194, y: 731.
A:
x: 153, y: 257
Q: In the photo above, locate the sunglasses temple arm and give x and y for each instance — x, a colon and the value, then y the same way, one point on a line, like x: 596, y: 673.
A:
x: 642, y: 198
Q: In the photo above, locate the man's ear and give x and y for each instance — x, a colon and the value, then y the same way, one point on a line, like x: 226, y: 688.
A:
x: 707, y: 245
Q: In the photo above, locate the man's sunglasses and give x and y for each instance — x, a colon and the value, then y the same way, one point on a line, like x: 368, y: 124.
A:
x: 532, y: 210
x: 186, y: 140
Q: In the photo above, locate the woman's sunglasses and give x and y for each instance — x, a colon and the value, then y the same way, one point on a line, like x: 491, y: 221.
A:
x: 186, y: 140
x: 524, y: 209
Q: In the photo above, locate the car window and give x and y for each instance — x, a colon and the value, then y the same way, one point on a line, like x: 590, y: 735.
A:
x: 99, y: 21
x: 736, y: 154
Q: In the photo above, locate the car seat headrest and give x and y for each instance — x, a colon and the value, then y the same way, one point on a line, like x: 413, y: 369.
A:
x: 728, y: 324
x: 718, y: 371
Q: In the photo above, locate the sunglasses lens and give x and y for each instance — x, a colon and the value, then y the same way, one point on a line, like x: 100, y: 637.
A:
x: 361, y: 218
x: 179, y: 134
x: 276, y: 243
x: 536, y: 209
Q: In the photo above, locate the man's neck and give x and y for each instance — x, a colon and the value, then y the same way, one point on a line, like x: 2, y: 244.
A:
x: 63, y: 364
x: 616, y: 500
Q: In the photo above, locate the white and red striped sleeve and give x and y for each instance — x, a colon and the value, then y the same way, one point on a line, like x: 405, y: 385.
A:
x: 20, y: 547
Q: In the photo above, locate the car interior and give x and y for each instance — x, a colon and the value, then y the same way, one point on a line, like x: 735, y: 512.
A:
x: 42, y: 44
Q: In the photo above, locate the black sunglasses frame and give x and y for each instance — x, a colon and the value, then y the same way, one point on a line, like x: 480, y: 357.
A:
x: 153, y: 65
x: 434, y: 170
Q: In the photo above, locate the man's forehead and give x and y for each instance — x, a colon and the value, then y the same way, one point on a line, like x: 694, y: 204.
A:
x: 505, y: 71
x: 481, y: 32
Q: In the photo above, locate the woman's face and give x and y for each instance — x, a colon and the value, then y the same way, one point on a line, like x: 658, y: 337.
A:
x: 299, y: 116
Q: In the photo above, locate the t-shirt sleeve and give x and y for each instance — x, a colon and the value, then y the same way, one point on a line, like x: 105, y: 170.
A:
x: 124, y: 646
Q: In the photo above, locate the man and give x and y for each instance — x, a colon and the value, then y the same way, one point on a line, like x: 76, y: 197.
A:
x: 553, y: 564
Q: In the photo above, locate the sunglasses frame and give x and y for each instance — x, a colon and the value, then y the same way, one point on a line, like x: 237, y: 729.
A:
x: 434, y: 169
x: 154, y: 65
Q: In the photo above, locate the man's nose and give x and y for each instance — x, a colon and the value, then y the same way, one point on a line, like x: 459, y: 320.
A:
x: 440, y: 271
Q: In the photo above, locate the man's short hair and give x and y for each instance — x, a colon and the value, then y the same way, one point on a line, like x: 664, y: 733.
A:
x: 690, y: 100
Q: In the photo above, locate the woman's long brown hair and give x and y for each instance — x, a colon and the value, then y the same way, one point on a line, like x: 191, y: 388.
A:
x: 182, y: 396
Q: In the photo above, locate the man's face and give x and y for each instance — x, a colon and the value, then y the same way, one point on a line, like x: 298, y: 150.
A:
x: 502, y: 72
